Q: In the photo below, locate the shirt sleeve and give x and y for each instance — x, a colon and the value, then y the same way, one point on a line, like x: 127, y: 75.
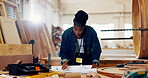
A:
x: 64, y: 46
x: 96, y: 48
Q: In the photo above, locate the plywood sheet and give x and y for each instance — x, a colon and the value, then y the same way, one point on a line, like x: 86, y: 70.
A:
x: 50, y: 40
x: 36, y: 31
x: 15, y: 49
x: 9, y: 31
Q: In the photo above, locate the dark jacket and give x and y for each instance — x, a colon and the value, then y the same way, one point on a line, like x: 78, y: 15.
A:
x: 91, y: 45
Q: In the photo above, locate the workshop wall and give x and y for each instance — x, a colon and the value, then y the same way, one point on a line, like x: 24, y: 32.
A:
x: 45, y: 11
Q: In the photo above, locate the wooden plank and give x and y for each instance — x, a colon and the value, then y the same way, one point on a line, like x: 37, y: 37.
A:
x: 36, y: 31
x: 111, y: 72
x: 43, y: 41
x: 3, y: 10
x: 50, y: 41
x: 31, y: 34
x: 8, y: 3
x: 1, y: 0
x: 15, y: 49
x: 1, y: 38
x: 11, y: 59
x: 19, y: 22
x: 140, y: 20
x: 9, y: 31
x: 20, y: 26
x: 140, y: 66
x: 144, y: 24
x: 136, y: 24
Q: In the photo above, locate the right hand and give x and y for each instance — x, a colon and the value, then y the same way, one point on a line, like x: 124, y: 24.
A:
x: 64, y: 66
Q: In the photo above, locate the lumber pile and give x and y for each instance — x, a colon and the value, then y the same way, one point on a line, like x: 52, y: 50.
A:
x: 43, y: 42
x: 11, y: 49
x: 17, y: 31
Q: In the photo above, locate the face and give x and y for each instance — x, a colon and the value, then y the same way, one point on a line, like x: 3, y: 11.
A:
x: 78, y: 31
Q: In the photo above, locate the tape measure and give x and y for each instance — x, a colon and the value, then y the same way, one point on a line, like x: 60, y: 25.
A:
x: 43, y: 75
x: 137, y: 74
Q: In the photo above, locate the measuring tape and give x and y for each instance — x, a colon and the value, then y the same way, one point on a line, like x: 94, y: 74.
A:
x: 43, y: 75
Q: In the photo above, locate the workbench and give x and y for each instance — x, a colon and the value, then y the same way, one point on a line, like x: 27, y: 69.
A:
x: 114, y: 72
x: 82, y: 71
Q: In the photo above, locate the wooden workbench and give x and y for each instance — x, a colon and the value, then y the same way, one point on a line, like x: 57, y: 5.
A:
x: 113, y: 73
x: 82, y: 75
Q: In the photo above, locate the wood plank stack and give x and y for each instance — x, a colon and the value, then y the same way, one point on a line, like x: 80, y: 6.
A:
x: 3, y: 12
x: 23, y: 32
x: 43, y: 43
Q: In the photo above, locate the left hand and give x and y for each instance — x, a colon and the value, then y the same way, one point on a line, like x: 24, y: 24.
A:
x: 95, y: 65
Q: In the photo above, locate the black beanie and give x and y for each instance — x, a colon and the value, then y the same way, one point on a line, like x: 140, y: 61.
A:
x: 80, y: 18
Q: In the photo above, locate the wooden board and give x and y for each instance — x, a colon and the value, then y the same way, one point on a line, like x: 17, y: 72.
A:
x: 11, y: 59
x: 112, y: 72
x: 3, y: 9
x: 31, y: 34
x: 36, y: 31
x: 9, y: 31
x: 50, y: 41
x: 20, y: 27
x: 140, y: 20
x: 18, y: 18
x: 15, y: 49
x: 1, y: 38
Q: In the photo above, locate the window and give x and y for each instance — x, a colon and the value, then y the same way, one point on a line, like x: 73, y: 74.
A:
x: 128, y: 34
x: 66, y: 26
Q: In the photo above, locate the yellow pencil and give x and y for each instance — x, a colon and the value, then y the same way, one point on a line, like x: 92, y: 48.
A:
x: 65, y: 62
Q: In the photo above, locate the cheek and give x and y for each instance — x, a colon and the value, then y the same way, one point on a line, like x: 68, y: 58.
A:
x: 75, y: 32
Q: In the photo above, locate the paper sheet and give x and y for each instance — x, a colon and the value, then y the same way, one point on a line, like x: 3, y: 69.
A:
x: 75, y: 69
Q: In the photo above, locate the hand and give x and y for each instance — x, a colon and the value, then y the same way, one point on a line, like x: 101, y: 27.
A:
x: 95, y: 65
x: 64, y: 65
